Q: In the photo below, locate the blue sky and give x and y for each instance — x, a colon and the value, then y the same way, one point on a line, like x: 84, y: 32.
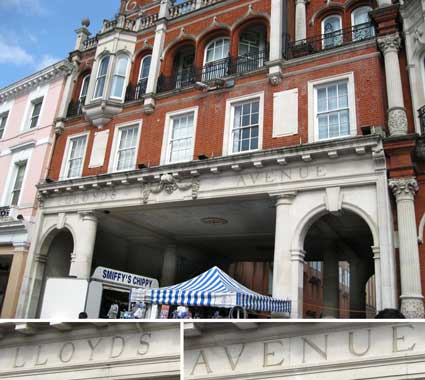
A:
x: 37, y: 33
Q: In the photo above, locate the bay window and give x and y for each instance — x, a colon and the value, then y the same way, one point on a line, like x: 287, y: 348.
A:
x: 101, y: 77
x: 119, y: 77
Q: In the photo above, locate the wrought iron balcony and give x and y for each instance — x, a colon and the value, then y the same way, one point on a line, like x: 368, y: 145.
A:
x: 136, y: 92
x: 215, y: 70
x: 421, y: 114
x: 75, y: 108
x: 328, y: 41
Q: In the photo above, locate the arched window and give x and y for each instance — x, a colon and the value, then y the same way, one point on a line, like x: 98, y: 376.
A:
x: 332, y: 31
x: 360, y: 21
x: 101, y: 77
x: 142, y: 81
x: 216, y: 61
x: 120, y: 75
x: 84, y: 89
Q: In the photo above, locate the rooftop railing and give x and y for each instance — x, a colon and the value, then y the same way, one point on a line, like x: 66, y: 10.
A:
x: 90, y: 43
x: 182, y: 8
x: 328, y: 41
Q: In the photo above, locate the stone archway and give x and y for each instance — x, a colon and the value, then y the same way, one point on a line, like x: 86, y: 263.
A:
x: 340, y: 244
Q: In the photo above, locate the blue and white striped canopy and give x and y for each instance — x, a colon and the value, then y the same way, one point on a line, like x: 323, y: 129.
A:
x: 213, y: 288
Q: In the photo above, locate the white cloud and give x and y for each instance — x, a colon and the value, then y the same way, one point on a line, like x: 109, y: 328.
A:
x: 33, y: 7
x: 14, y: 54
x: 46, y: 60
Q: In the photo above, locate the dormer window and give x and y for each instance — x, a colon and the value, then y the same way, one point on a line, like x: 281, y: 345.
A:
x: 119, y: 77
x: 101, y: 77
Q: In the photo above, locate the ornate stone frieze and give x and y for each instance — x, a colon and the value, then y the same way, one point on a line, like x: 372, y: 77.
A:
x: 397, y: 121
x: 412, y: 308
x: 403, y: 186
x: 389, y: 42
x: 169, y: 185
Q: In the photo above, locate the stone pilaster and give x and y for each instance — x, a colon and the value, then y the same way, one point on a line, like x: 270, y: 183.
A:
x: 397, y: 120
x: 300, y: 20
x: 404, y: 189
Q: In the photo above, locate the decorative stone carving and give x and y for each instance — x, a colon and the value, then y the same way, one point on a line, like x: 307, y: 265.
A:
x: 403, y: 186
x: 412, y: 308
x: 275, y: 79
x: 169, y: 184
x: 397, y: 121
x: 59, y: 126
x: 389, y: 42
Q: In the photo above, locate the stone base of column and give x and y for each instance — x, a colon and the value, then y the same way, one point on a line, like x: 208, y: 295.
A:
x: 397, y: 121
x: 412, y: 308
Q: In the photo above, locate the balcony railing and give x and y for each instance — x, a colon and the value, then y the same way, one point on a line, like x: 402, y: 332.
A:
x: 182, y: 8
x: 421, y: 114
x: 90, y: 43
x: 136, y: 92
x: 328, y: 41
x: 75, y: 108
x: 214, y: 70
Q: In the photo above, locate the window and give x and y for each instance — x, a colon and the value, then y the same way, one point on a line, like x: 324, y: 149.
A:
x: 118, y: 80
x: 3, y: 121
x: 181, y: 138
x: 145, y: 66
x: 251, y: 51
x: 332, y: 114
x: 362, y: 27
x: 84, y: 90
x: 101, y: 77
x: 184, y: 69
x: 35, y: 114
x: 75, y: 157
x: 125, y: 158
x: 245, y: 125
x: 331, y: 30
x: 216, y: 62
x: 17, y: 185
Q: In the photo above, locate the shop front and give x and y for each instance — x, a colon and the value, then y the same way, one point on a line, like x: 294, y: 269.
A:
x: 305, y: 351
x: 84, y: 351
x: 323, y: 202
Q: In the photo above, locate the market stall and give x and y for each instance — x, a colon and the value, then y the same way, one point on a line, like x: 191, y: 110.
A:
x: 212, y: 289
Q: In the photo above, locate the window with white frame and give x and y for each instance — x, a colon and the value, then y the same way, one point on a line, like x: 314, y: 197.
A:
x: 332, y: 31
x: 84, y: 90
x: 35, y: 112
x: 361, y: 23
x: 3, y: 121
x: 125, y: 156
x: 245, y: 122
x: 75, y: 156
x: 215, y: 63
x: 332, y: 110
x: 145, y: 66
x: 20, y: 168
x: 181, y: 137
x: 119, y: 77
x: 101, y: 77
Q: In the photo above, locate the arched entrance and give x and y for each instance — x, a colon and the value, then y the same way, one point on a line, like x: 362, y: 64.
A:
x: 339, y: 265
x: 55, y: 259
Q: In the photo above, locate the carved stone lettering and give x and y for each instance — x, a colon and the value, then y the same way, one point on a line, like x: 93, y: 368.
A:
x: 234, y: 363
x: 323, y: 353
x: 270, y: 354
x: 201, y: 361
x: 117, y: 347
x: 351, y: 344
x: 67, y: 352
x: 397, y: 338
x: 93, y: 347
x: 144, y: 344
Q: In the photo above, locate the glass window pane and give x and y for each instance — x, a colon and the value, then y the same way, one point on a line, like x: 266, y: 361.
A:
x: 117, y: 87
x: 332, y: 98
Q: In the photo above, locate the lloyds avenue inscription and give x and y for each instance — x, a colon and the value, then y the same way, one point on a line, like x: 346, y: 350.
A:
x: 69, y: 352
x: 275, y: 354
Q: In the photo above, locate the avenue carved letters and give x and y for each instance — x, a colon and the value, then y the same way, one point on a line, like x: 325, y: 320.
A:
x: 317, y: 349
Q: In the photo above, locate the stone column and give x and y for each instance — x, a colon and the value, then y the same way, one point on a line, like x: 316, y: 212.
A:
x: 158, y: 48
x: 15, y: 281
x: 84, y: 246
x: 282, y: 267
x: 300, y: 20
x: 377, y: 261
x: 276, y: 41
x: 397, y: 120
x: 404, y: 189
x: 330, y: 284
x: 169, y: 266
x: 357, y: 288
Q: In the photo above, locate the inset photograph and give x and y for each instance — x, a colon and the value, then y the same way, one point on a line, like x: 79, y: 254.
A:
x: 304, y: 351
x: 77, y: 351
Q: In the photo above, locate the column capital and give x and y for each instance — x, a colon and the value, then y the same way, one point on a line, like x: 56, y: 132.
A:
x: 88, y: 216
x: 284, y: 198
x: 402, y: 187
x: 389, y: 43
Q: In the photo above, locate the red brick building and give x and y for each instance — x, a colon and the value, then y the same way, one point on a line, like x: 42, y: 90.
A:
x: 241, y: 133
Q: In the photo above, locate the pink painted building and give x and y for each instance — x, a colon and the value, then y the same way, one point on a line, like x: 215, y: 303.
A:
x: 28, y: 112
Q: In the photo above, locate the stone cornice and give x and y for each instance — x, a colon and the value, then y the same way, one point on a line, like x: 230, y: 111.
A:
x: 359, y: 145
x: 56, y: 70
